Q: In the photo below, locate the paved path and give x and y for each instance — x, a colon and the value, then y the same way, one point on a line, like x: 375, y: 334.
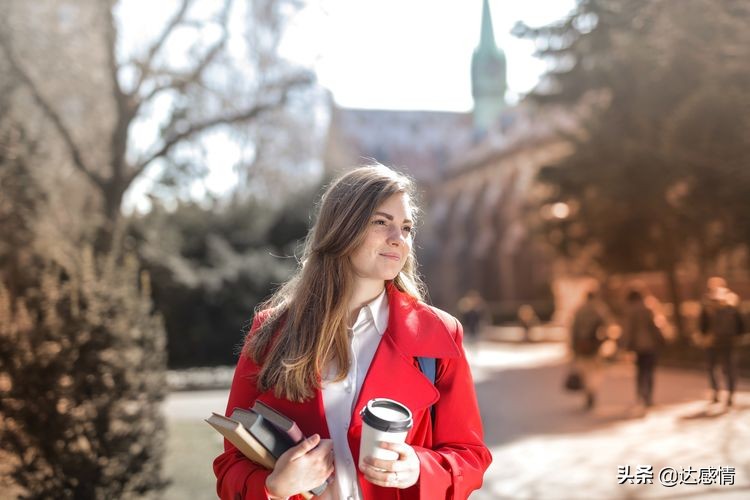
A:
x: 544, y: 445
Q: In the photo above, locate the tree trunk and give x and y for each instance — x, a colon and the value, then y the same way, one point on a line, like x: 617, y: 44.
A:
x: 112, y: 200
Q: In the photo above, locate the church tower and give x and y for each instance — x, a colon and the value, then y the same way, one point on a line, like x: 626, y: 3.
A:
x: 488, y: 76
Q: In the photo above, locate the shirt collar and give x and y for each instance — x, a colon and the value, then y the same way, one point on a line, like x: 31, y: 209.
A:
x: 376, y: 311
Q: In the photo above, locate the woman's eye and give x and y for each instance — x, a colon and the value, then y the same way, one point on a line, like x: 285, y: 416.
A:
x: 408, y: 229
x: 379, y: 222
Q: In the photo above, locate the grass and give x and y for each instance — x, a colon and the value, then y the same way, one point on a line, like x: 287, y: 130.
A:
x: 191, y: 449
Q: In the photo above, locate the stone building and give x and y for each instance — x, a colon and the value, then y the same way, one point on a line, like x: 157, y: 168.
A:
x: 476, y: 172
x: 478, y: 231
x: 422, y: 143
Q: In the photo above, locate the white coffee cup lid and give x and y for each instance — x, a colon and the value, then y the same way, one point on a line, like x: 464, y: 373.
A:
x: 386, y: 415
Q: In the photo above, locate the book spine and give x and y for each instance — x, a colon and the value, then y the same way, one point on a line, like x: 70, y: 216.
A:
x: 280, y: 421
x: 293, y: 433
x: 272, y: 439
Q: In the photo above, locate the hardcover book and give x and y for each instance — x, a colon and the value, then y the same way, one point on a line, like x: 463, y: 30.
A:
x: 262, y: 440
x: 236, y: 434
x: 273, y: 439
x: 280, y: 421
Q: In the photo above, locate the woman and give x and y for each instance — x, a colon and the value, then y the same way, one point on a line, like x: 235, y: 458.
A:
x: 346, y: 329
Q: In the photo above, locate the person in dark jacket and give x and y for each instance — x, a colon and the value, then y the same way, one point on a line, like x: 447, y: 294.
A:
x: 720, y: 325
x: 586, y: 336
x: 472, y: 309
x: 641, y: 335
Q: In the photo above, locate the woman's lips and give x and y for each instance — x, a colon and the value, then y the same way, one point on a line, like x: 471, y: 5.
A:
x: 391, y: 256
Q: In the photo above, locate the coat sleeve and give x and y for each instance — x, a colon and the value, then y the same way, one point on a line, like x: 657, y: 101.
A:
x: 455, y: 464
x: 237, y: 477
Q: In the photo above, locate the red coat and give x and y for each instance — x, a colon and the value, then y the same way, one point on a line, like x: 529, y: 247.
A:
x: 451, y: 452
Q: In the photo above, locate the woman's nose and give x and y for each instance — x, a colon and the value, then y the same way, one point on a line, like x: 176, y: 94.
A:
x: 395, y: 236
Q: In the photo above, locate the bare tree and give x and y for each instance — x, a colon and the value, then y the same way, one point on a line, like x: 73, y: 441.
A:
x: 212, y: 90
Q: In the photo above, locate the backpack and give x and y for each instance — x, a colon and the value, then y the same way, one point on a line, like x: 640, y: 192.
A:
x: 428, y: 366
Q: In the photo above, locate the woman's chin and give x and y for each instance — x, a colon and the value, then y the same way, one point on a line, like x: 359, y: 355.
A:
x: 387, y: 275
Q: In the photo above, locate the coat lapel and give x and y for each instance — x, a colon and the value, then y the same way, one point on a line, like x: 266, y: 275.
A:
x: 416, y: 329
x: 413, y: 330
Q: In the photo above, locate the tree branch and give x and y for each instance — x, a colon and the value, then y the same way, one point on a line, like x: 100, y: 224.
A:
x: 180, y: 81
x: 194, y: 129
x: 48, y: 110
x: 147, y: 65
x: 110, y: 37
x: 125, y: 109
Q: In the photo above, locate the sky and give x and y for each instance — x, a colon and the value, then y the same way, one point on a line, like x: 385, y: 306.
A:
x: 376, y: 54
x: 412, y: 54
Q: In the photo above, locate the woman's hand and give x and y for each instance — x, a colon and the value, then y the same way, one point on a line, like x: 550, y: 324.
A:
x: 401, y: 473
x: 301, y: 468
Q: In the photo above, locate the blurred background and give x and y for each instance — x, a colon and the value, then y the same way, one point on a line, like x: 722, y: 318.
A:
x: 160, y: 163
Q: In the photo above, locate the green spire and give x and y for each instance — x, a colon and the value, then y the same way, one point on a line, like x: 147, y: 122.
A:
x: 488, y: 79
x: 487, y: 38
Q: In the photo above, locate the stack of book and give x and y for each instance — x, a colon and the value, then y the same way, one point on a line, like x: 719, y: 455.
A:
x: 262, y: 434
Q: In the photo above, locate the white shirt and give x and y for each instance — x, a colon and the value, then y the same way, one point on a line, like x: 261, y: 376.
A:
x: 339, y: 397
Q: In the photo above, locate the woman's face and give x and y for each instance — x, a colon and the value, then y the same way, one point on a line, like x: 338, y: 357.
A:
x: 388, y: 241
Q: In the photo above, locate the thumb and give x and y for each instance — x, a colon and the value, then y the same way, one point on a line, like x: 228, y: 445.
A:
x: 305, y: 446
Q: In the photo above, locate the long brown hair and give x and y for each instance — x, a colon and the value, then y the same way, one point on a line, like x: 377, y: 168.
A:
x: 306, y: 323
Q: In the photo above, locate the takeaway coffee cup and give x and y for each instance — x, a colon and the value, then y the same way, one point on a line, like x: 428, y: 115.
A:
x: 383, y: 420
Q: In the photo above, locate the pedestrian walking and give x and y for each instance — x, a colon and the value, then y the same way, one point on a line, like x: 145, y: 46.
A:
x: 720, y: 325
x: 586, y: 336
x: 528, y: 319
x: 472, y: 310
x: 641, y: 335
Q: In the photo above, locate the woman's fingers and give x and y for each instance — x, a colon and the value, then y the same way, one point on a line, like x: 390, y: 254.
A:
x: 323, y: 452
x: 380, y: 468
x: 378, y: 464
x: 302, y: 467
x: 402, y: 449
x: 399, y: 478
x: 401, y: 473
x: 305, y: 446
x: 404, y: 462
